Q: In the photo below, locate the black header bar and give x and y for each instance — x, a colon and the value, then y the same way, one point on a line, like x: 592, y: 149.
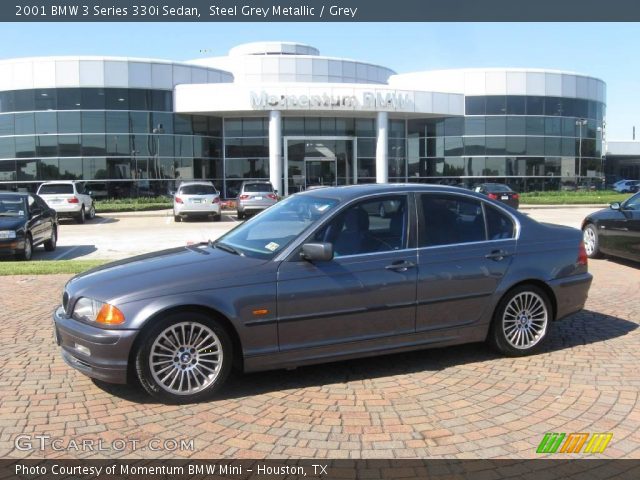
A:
x: 319, y: 11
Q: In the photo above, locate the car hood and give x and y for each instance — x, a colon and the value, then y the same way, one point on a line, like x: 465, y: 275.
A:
x: 166, y: 272
x: 12, y: 223
x: 605, y: 213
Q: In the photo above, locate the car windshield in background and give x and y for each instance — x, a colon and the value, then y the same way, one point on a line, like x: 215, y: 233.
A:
x: 497, y: 187
x: 257, y: 187
x: 198, y: 190
x: 12, y: 207
x: 270, y: 232
x: 55, y: 188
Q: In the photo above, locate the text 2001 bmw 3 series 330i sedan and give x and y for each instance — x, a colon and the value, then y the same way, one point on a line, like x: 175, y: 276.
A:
x: 323, y: 276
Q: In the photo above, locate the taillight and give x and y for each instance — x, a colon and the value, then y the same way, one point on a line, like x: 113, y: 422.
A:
x: 216, y: 200
x: 493, y: 196
x: 582, y: 255
x: 244, y: 197
x: 515, y: 196
x: 73, y: 200
x: 272, y: 196
x: 179, y: 200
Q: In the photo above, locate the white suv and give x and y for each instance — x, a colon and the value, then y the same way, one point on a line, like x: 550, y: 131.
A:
x: 196, y: 199
x: 68, y: 199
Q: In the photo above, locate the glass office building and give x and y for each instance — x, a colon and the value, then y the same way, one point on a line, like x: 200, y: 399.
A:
x: 281, y: 111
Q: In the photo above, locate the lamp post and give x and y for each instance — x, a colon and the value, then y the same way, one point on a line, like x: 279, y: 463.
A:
x: 156, y: 160
x: 580, y: 123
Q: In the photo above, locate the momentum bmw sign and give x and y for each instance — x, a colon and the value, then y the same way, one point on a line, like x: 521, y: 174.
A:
x: 391, y: 100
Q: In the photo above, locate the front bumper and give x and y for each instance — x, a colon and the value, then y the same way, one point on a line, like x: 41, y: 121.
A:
x: 571, y: 293
x: 11, y: 247
x: 108, y: 357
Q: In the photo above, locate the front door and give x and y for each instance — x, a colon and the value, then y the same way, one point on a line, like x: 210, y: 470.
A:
x: 320, y: 173
x: 367, y: 291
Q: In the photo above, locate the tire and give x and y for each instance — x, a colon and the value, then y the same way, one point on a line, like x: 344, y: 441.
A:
x: 189, y: 383
x: 526, y: 303
x: 50, y: 245
x: 591, y: 241
x: 81, y: 216
x: 27, y: 253
x: 240, y: 215
x: 177, y: 218
x: 217, y: 218
x: 91, y: 214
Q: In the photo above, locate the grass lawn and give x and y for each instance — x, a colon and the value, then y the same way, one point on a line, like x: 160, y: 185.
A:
x: 47, y: 267
x: 572, y: 198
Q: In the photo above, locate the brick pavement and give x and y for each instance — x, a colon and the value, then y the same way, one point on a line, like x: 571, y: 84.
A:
x: 457, y: 402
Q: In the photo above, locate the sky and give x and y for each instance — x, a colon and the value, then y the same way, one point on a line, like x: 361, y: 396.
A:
x: 608, y: 51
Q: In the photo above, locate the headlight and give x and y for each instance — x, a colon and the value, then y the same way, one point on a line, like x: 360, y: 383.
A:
x: 88, y: 309
x: 10, y: 234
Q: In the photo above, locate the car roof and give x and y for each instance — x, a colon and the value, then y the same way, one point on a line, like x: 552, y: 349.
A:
x: 354, y: 191
x: 183, y: 184
x: 56, y: 182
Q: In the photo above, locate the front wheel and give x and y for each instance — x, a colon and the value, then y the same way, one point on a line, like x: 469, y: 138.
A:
x: 185, y: 358
x: 591, y: 242
x: 27, y: 253
x: 521, y: 322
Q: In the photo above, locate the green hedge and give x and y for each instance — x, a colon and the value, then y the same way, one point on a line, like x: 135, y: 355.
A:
x: 133, y: 204
x: 572, y: 198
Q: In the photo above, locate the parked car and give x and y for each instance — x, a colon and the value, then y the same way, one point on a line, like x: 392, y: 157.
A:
x: 196, y: 199
x: 26, y: 222
x: 254, y: 197
x: 500, y: 193
x: 614, y: 231
x: 97, y: 190
x: 68, y: 199
x: 316, y: 278
x: 627, y: 186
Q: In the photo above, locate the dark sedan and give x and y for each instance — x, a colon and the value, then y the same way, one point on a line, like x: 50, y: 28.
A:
x: 323, y: 276
x: 500, y: 193
x: 26, y: 222
x: 614, y: 231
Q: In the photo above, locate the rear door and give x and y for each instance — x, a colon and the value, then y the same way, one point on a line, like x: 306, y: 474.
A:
x: 465, y: 247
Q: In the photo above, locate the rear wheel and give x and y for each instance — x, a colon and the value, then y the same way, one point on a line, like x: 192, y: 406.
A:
x: 240, y: 215
x: 50, y: 245
x: 184, y: 358
x: 81, y: 216
x: 216, y: 218
x: 591, y: 243
x: 521, y: 321
x: 27, y: 253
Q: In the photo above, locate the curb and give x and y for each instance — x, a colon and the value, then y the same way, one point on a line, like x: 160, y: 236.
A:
x: 586, y: 205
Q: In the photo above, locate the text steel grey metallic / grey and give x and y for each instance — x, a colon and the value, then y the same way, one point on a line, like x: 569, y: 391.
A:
x: 322, y: 276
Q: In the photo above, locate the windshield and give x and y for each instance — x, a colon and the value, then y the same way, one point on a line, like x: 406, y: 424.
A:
x: 257, y: 187
x: 497, y: 187
x: 198, y: 190
x: 270, y: 232
x: 55, y: 188
x: 12, y: 207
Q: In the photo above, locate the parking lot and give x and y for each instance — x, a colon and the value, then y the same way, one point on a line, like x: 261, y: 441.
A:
x: 119, y: 236
x: 461, y: 402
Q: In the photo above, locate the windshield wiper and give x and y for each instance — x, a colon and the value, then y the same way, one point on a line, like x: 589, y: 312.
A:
x: 225, y: 247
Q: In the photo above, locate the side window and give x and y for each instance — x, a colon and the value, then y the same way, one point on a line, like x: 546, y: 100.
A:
x: 80, y: 188
x: 376, y: 225
x: 32, y: 203
x: 499, y: 225
x: 633, y: 203
x: 450, y: 219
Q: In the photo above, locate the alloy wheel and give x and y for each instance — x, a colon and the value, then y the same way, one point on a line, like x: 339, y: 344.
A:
x: 186, y: 358
x: 589, y: 237
x: 525, y: 320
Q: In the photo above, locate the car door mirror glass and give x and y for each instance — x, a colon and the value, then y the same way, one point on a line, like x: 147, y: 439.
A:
x: 321, y: 252
x: 615, y: 206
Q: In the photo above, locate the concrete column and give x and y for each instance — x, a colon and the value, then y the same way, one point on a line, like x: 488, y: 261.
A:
x: 382, y: 148
x: 275, y: 149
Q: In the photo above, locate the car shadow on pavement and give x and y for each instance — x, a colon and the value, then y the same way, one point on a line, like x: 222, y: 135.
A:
x: 66, y: 252
x: 583, y: 328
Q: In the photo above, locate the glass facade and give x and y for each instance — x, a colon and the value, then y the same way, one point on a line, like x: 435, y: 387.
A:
x: 130, y: 140
x: 529, y: 142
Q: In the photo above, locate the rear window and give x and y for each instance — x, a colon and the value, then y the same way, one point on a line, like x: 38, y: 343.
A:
x: 55, y: 188
x: 497, y: 187
x: 257, y: 187
x: 198, y: 190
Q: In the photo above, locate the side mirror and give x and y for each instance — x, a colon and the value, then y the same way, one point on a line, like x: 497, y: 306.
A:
x: 172, y: 192
x: 275, y: 191
x: 321, y: 252
x: 615, y: 206
x: 90, y: 193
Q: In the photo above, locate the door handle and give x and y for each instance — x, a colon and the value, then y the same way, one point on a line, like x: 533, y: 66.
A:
x: 400, y: 266
x: 497, y: 255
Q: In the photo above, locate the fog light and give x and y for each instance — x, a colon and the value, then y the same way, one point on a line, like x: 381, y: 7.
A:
x: 83, y: 349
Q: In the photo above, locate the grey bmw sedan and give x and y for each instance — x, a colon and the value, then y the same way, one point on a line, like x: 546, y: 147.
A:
x: 323, y: 276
